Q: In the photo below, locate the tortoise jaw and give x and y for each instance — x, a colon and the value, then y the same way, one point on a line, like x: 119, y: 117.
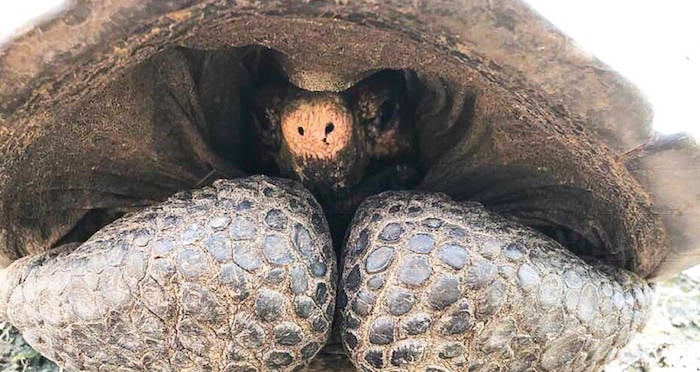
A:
x: 323, y: 178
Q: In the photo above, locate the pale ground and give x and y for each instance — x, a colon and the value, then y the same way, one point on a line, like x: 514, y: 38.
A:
x: 671, y: 339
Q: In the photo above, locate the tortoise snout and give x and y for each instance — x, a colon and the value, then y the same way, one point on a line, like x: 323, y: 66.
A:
x: 317, y: 127
x: 313, y: 134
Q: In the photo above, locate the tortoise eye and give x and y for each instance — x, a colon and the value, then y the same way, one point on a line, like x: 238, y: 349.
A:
x: 387, y: 113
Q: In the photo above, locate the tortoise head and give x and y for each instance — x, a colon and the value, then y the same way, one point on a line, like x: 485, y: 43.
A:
x: 321, y: 142
x: 333, y: 141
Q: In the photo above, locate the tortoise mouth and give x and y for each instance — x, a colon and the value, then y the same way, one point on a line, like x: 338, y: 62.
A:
x: 120, y: 133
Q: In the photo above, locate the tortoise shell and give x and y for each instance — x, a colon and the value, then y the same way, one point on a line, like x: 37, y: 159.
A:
x: 513, y: 115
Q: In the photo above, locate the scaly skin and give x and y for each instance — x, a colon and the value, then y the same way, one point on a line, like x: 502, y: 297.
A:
x: 235, y: 277
x: 241, y: 277
x: 430, y: 284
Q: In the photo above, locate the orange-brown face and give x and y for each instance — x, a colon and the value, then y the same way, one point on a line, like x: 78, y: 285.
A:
x: 320, y: 142
x: 317, y: 127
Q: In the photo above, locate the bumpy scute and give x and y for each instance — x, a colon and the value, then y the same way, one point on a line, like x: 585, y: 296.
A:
x: 234, y: 277
x: 432, y: 284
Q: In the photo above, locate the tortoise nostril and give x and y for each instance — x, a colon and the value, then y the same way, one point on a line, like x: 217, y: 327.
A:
x: 329, y: 128
x: 300, y: 130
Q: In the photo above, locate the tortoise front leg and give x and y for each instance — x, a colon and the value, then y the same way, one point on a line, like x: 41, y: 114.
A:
x: 431, y: 284
x: 236, y: 277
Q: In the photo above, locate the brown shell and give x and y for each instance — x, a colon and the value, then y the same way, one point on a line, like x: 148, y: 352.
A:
x: 550, y: 107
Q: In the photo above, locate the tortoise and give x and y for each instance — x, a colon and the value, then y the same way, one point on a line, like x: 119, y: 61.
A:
x: 515, y: 221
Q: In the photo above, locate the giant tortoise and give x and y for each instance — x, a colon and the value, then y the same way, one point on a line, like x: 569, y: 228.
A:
x: 241, y: 186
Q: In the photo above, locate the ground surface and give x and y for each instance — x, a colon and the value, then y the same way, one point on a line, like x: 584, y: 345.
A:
x: 670, y: 341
